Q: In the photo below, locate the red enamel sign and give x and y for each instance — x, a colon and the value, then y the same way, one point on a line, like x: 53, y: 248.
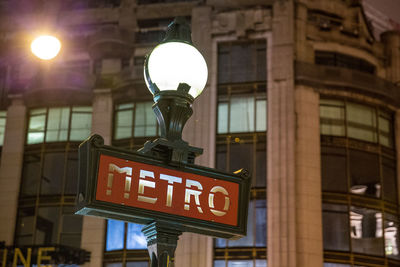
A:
x: 149, y: 187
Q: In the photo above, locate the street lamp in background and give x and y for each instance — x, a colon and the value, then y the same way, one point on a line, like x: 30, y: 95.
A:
x: 45, y: 47
x: 175, y: 73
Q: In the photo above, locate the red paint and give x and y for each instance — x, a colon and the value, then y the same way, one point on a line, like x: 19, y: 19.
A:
x: 160, y: 191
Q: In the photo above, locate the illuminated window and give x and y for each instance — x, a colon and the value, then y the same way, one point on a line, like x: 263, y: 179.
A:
x: 342, y: 118
x: 128, y: 239
x: 241, y: 142
x: 135, y: 120
x: 59, y: 124
x: 3, y: 118
x: 359, y: 184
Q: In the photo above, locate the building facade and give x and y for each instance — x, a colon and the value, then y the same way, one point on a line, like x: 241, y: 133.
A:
x: 303, y: 93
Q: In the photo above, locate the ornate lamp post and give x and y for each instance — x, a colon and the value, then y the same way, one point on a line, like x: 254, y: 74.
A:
x: 175, y: 73
x: 179, y: 196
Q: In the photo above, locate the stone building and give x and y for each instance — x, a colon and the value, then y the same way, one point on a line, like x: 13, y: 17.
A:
x: 304, y: 93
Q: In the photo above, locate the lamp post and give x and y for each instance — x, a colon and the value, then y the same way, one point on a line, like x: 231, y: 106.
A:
x: 175, y: 73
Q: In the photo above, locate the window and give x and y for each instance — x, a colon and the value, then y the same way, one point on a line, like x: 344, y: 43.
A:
x: 47, y: 198
x: 240, y: 263
x: 135, y: 120
x: 59, y: 124
x: 128, y: 239
x: 241, y: 62
x: 359, y: 184
x: 342, y: 118
x: 241, y: 142
x: 3, y: 118
x: 328, y: 58
x: 83, y: 4
x: 336, y: 233
x: 241, y: 113
x: 144, y: 2
x: 256, y: 228
x: 152, y: 30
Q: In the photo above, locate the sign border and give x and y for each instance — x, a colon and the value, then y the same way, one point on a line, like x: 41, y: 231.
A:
x: 87, y: 204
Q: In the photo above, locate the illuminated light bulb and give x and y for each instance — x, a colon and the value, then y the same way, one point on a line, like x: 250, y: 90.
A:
x: 172, y: 63
x: 46, y: 47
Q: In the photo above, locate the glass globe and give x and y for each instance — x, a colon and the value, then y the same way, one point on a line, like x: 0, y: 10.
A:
x: 46, y: 47
x: 172, y: 63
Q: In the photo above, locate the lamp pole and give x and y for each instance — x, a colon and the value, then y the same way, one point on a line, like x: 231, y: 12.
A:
x: 175, y: 73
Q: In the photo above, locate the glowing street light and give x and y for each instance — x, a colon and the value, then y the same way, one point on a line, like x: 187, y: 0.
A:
x: 175, y: 73
x: 46, y: 47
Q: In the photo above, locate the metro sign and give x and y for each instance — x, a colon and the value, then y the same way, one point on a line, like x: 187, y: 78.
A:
x: 130, y: 186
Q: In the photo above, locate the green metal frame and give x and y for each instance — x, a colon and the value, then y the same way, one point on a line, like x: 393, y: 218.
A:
x: 89, y: 155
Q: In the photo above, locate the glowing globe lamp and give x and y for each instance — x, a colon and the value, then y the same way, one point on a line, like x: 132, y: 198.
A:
x: 175, y: 73
x: 176, y: 61
x: 46, y: 47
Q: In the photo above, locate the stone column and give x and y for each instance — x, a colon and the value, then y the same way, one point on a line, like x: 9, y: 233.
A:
x: 197, y: 250
x: 93, y: 229
x: 308, y: 179
x: 281, y: 223
x: 11, y: 167
x: 397, y: 136
x: 294, y: 179
x: 391, y: 42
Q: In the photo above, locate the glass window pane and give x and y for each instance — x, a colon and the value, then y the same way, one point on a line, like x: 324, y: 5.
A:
x: 241, y: 114
x: 36, y: 129
x: 392, y: 240
x: 261, y: 115
x: 222, y: 118
x: 123, y: 124
x: 81, y: 124
x: 57, y: 124
x: 71, y: 223
x: 365, y: 174
x: 261, y: 223
x: 385, y: 130
x: 242, y: 63
x: 260, y: 179
x: 241, y: 156
x: 366, y: 231
x: 248, y: 240
x: 25, y: 226
x: 327, y: 264
x: 53, y: 173
x: 71, y: 181
x: 115, y: 235
x: 335, y: 221
x: 389, y: 179
x: 361, y: 121
x: 125, y: 106
x: 30, y: 175
x: 3, y: 116
x: 113, y: 264
x: 145, y: 120
x: 137, y: 264
x: 85, y: 109
x: 135, y: 238
x: 332, y: 117
x: 223, y: 63
x: 333, y: 169
x: 47, y: 225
